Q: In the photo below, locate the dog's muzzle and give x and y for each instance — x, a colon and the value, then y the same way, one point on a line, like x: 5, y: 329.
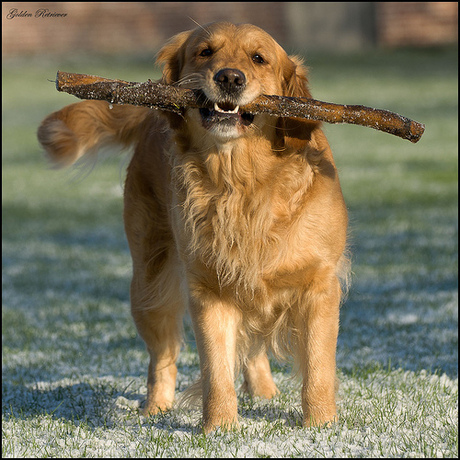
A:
x: 231, y: 83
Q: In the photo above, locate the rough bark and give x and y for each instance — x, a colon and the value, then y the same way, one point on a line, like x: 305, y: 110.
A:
x: 175, y: 99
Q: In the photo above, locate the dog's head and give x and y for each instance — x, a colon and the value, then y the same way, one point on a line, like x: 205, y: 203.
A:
x: 232, y: 65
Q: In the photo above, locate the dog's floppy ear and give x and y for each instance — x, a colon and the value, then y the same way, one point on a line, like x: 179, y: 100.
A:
x: 295, y: 78
x: 172, y: 56
x: 295, y: 132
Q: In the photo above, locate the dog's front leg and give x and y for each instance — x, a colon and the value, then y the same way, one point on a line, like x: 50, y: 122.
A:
x: 216, y: 323
x: 318, y: 325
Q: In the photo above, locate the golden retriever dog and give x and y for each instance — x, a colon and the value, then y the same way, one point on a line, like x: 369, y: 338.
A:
x: 237, y: 218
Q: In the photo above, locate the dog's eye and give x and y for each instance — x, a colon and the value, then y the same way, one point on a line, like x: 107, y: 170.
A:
x: 206, y: 52
x: 257, y: 58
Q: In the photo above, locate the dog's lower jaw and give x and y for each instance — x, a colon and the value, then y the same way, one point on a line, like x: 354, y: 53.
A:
x: 207, y: 126
x: 217, y: 137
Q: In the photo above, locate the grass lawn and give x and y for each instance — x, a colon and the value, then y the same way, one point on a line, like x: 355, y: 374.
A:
x: 74, y: 369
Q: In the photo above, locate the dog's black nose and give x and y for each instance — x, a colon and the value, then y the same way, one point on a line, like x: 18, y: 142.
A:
x: 231, y: 80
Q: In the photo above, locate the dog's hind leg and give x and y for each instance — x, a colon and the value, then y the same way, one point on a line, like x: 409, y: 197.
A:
x: 258, y: 380
x: 158, y: 317
x: 157, y: 304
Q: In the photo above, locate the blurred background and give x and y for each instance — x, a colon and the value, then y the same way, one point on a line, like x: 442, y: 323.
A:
x: 34, y: 28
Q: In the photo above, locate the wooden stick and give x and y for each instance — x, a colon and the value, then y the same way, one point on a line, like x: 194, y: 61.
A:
x: 171, y: 98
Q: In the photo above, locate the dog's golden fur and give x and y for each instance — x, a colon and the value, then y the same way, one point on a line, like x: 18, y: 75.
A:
x: 238, y: 218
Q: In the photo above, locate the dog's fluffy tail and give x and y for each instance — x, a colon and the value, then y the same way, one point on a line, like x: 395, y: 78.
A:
x: 87, y: 126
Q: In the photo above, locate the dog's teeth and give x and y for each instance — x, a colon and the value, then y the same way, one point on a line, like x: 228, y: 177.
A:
x: 218, y: 109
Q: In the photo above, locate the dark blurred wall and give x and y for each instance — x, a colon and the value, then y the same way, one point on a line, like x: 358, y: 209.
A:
x: 31, y: 28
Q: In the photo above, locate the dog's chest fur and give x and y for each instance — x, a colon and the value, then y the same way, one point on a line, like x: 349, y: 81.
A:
x: 239, y: 214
